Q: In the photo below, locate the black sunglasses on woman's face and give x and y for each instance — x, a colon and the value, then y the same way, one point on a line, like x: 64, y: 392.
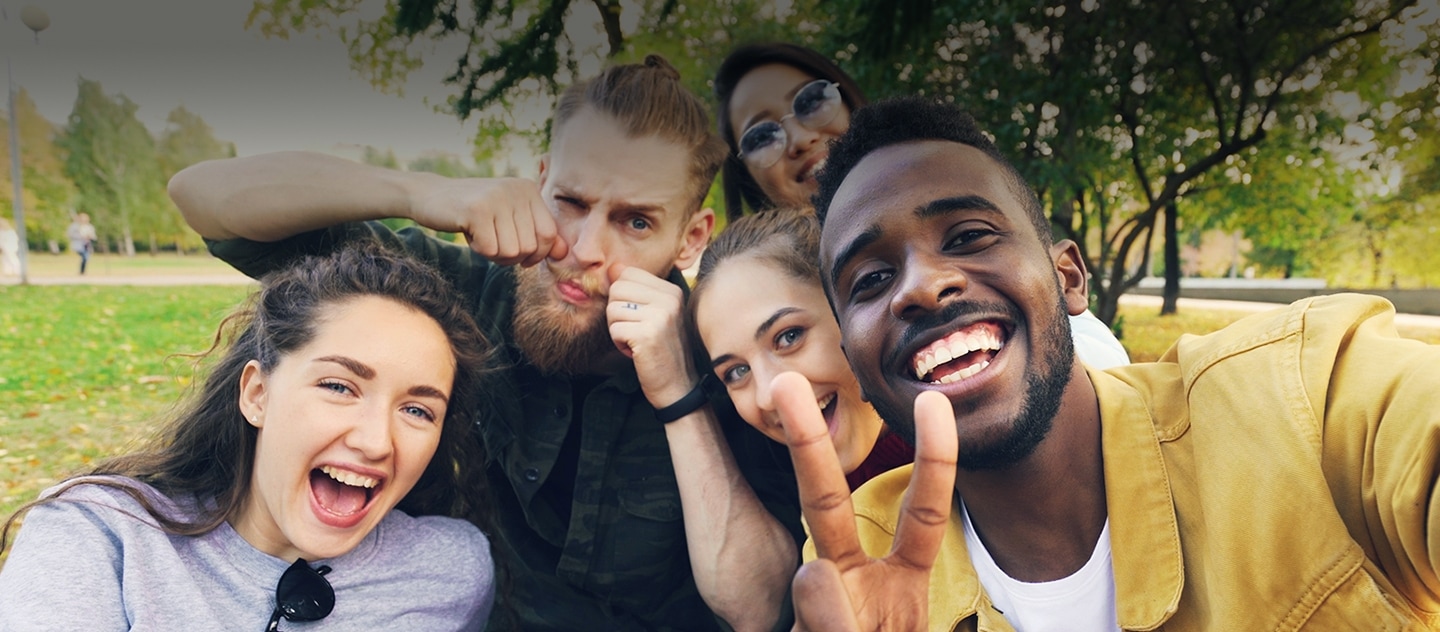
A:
x: 303, y: 594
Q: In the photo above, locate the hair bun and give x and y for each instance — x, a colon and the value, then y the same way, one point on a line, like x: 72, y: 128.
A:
x: 658, y: 62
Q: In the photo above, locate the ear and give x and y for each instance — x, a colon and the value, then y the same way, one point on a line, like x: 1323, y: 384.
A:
x: 1074, y: 278
x: 252, y: 393
x: 544, y: 168
x: 696, y: 236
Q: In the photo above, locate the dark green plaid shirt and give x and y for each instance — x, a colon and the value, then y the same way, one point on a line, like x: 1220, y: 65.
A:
x: 619, y: 561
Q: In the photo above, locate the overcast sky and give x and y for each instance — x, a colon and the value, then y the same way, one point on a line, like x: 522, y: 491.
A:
x: 262, y: 94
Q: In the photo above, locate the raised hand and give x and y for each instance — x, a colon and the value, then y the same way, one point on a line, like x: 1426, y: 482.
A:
x: 504, y: 219
x: 645, y: 316
x: 846, y: 589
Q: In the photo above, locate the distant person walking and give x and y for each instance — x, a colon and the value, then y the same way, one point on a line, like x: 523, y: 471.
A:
x: 81, y: 234
x: 9, y: 249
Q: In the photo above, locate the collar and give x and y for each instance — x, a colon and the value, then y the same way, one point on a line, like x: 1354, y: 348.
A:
x: 1144, y: 532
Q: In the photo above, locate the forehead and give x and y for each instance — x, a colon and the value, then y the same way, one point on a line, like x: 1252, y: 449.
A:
x: 765, y: 89
x: 745, y: 291
x: 396, y: 336
x: 888, y: 187
x: 591, y: 156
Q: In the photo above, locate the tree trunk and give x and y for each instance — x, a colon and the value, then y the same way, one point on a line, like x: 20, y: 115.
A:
x: 1171, y: 294
x: 127, y: 244
x: 154, y: 244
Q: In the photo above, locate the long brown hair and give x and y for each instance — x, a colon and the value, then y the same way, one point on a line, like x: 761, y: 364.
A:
x: 206, y: 451
x: 735, y: 180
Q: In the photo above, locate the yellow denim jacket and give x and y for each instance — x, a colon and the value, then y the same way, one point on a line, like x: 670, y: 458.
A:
x: 1279, y: 474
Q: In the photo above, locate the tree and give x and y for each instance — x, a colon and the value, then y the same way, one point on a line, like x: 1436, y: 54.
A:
x: 1167, y: 90
x: 187, y: 139
x: 48, y: 192
x: 512, y: 59
x: 113, y: 162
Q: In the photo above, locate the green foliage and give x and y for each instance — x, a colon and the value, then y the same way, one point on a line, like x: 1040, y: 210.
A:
x: 113, y: 162
x: 187, y: 139
x: 1116, y: 110
x: 48, y: 191
x: 84, y: 370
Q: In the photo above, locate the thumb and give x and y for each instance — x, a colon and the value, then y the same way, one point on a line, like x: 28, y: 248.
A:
x: 558, y: 249
x: 615, y: 270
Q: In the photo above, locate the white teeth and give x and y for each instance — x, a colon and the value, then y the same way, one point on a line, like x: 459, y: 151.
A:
x: 815, y: 168
x: 955, y: 346
x: 349, y: 478
x: 825, y: 401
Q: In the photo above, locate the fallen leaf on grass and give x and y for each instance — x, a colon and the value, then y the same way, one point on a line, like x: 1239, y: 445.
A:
x: 152, y: 379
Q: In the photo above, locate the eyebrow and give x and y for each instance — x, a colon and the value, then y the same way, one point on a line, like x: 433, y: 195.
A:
x: 759, y: 332
x: 861, y: 242
x: 365, y: 372
x: 945, y: 206
x: 935, y: 208
x: 789, y: 101
x: 623, y: 207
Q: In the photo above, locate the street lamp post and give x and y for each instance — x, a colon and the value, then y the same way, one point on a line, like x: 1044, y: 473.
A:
x: 36, y: 20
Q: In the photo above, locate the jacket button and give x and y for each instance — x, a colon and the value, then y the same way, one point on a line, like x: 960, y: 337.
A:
x: 531, y: 474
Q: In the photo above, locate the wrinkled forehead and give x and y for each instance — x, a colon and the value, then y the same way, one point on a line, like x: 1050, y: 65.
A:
x: 593, y: 157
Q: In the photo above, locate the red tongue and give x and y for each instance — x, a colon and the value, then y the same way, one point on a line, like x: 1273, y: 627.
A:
x: 336, y: 497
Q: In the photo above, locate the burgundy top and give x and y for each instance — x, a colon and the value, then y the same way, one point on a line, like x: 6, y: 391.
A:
x: 890, y: 452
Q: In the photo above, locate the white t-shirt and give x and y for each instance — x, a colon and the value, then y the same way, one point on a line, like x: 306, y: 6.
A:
x: 1095, y: 344
x: 1083, y: 601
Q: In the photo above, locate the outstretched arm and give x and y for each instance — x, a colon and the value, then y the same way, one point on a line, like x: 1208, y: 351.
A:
x: 845, y: 589
x: 273, y: 196
x: 742, y: 557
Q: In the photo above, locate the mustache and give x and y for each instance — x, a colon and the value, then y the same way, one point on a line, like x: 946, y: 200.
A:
x: 592, y: 284
x: 948, y: 314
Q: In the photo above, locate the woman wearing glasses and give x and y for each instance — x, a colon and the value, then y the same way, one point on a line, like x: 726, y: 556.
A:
x: 345, y: 392
x: 780, y: 106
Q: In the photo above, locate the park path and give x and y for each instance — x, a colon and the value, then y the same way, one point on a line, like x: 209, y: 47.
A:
x: 231, y: 278
x: 236, y: 278
x: 1402, y: 320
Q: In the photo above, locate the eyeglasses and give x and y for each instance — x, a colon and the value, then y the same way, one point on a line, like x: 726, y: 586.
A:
x: 815, y: 104
x: 302, y: 595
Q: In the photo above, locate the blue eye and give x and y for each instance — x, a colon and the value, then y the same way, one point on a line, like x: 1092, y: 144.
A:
x: 734, y: 374
x: 419, y: 411
x: 336, y: 387
x: 789, y: 337
x: 639, y: 223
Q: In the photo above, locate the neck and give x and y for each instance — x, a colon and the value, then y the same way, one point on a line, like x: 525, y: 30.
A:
x: 1041, y: 517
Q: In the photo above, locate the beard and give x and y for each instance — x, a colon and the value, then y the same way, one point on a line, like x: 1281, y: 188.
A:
x: 555, y: 336
x: 1045, y: 384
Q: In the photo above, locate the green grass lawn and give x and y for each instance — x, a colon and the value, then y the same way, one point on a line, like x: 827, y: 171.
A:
x: 84, y: 370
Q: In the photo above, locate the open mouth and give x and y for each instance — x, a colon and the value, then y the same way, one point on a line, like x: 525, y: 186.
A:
x: 959, y: 355
x: 341, y: 492
x: 827, y: 410
x: 809, y: 174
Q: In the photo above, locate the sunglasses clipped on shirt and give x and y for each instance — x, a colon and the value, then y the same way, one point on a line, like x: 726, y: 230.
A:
x: 303, y: 594
x: 815, y: 105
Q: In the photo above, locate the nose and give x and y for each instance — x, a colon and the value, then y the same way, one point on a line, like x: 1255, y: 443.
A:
x: 370, y: 436
x: 925, y: 286
x: 589, y: 239
x: 798, y: 138
x: 763, y: 372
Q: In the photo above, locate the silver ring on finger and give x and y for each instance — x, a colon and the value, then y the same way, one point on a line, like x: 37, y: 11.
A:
x: 629, y: 306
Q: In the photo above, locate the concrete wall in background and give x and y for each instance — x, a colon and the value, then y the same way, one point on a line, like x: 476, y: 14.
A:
x: 1287, y: 291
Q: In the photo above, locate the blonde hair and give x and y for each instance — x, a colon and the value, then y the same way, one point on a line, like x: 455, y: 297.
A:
x: 647, y: 99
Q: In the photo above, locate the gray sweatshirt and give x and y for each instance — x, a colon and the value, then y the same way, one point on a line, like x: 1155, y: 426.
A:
x: 96, y: 561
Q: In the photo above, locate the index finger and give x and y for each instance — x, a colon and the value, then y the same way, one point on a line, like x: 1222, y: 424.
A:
x: 824, y: 495
x: 926, y: 508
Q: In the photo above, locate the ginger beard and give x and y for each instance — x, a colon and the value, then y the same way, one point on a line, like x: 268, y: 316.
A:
x: 556, y: 336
